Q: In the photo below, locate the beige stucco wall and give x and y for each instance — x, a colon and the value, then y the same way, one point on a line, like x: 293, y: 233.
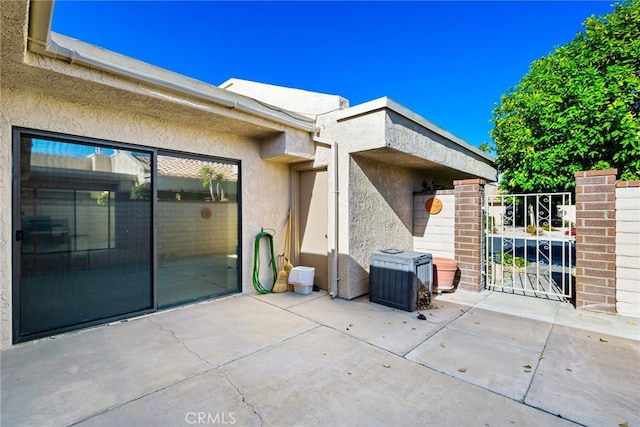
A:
x: 627, y: 256
x: 376, y: 188
x: 360, y: 214
x: 380, y: 216
x: 375, y: 199
x: 265, y: 185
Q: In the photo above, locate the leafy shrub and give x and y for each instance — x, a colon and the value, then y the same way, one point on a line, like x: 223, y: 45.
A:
x: 507, y: 259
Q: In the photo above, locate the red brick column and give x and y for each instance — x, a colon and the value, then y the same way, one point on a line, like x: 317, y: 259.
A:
x: 468, y: 232
x: 596, y: 240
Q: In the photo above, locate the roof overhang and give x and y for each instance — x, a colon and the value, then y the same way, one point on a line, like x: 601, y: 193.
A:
x: 409, y: 140
x: 185, y: 97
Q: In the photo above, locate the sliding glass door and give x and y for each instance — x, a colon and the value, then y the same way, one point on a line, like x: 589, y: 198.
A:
x: 197, y: 228
x: 83, y: 220
x: 104, y: 231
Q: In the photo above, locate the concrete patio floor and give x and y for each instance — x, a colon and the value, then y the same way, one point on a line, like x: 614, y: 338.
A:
x: 480, y: 359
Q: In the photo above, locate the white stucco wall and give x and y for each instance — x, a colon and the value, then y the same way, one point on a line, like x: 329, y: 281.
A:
x: 265, y: 185
x: 627, y: 253
x: 434, y: 234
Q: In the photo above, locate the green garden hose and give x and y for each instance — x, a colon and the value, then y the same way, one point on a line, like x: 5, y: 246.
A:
x: 256, y: 263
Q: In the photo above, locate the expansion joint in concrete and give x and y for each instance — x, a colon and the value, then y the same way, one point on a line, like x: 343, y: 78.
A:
x: 540, y: 358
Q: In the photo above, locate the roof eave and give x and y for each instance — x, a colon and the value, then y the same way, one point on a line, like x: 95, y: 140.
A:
x: 45, y: 42
x: 385, y: 103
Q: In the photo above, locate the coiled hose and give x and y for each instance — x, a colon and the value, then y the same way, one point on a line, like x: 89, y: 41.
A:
x: 256, y: 262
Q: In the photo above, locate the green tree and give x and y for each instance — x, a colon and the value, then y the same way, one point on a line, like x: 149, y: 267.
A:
x: 576, y: 109
x: 141, y: 191
x: 209, y: 176
x: 485, y: 147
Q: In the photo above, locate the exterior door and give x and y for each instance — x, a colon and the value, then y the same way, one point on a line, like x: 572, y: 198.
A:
x: 313, y: 224
x: 83, y: 234
x: 197, y: 228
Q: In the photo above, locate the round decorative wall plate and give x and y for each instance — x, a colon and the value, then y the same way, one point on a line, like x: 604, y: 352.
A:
x: 433, y: 206
x: 206, y: 213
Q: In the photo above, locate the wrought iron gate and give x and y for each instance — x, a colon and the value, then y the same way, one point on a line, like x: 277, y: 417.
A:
x: 529, y: 244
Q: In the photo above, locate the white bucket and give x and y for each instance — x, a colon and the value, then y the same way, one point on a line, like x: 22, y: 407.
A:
x: 302, y: 279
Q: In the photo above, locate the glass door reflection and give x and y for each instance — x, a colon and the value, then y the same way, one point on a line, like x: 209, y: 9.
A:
x: 86, y: 220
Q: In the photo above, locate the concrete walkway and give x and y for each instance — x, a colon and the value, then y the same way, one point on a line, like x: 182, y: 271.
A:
x: 487, y: 359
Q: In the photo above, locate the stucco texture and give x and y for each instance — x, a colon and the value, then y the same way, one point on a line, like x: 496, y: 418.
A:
x: 383, y: 159
x: 380, y: 215
x: 265, y: 185
x: 384, y: 152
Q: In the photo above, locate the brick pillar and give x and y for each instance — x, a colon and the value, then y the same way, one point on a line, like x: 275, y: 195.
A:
x: 468, y: 232
x: 596, y: 240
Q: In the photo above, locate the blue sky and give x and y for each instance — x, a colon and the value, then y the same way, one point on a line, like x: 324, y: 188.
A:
x: 449, y: 61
